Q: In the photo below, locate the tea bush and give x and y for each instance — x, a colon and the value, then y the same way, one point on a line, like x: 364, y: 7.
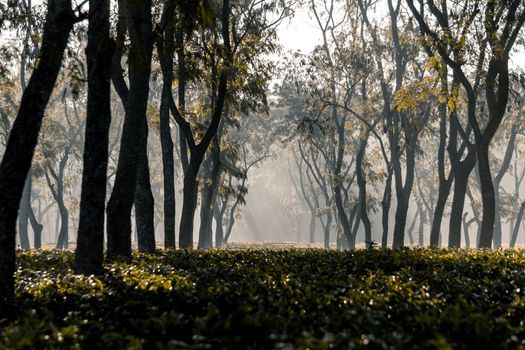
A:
x: 282, y: 299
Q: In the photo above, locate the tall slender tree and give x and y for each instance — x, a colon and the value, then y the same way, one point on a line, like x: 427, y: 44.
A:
x: 501, y: 23
x: 139, y: 25
x: 23, y: 137
x: 165, y: 50
x: 90, y: 237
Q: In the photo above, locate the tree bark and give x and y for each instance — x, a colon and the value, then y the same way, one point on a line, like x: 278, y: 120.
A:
x: 516, y: 228
x: 466, y: 233
x: 144, y: 203
x: 63, y: 235
x: 361, y: 182
x: 37, y: 229
x: 165, y: 51
x: 181, y: 95
x: 327, y: 230
x: 509, y: 151
x: 403, y: 192
x: 458, y: 203
x: 385, y: 208
x: 26, y: 211
x: 189, y: 203
x: 23, y: 214
x: 305, y: 195
x: 205, y: 207
x: 421, y: 228
x: 138, y: 18
x: 198, y: 151
x: 445, y: 183
x: 205, y: 230
x: 219, y: 229
x: 412, y: 226
x: 90, y: 237
x: 487, y: 196
x: 23, y: 137
x: 347, y: 230
x: 311, y: 227
x: 443, y: 193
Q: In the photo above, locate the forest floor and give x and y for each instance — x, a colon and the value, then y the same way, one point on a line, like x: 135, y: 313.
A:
x: 281, y: 299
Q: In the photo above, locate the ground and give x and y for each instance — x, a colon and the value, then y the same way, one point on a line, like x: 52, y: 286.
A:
x: 279, y: 298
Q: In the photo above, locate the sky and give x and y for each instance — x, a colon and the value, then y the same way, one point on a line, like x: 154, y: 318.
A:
x: 299, y: 33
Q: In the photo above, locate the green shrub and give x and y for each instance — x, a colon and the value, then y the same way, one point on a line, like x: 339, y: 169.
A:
x: 283, y: 299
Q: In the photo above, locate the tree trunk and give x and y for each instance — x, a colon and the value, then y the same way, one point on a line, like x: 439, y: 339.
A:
x: 487, y: 196
x: 205, y: 231
x: 327, y: 230
x: 406, y: 189
x: 144, y: 203
x: 138, y: 16
x: 497, y: 93
x: 361, y: 181
x: 399, y: 227
x: 231, y: 218
x: 411, y: 228
x: 445, y: 183
x: 443, y: 193
x: 385, y: 206
x: 181, y: 95
x: 90, y: 237
x: 165, y: 50
x: 497, y: 218
x: 458, y: 203
x: 421, y: 229
x: 516, y: 228
x: 509, y: 151
x: 357, y: 221
x: 23, y: 214
x: 189, y: 202
x: 312, y: 228
x: 219, y: 230
x: 466, y: 233
x: 341, y: 214
x: 37, y: 229
x: 23, y: 137
x: 63, y: 235
x: 205, y: 207
x: 197, y: 151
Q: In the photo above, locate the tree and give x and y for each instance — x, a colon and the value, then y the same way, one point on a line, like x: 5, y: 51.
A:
x: 165, y: 50
x: 90, y: 237
x: 198, y: 150
x: 401, y: 128
x: 21, y: 144
x: 134, y: 135
x: 499, y: 24
x: 233, y: 37
x: 58, y: 144
x: 28, y: 54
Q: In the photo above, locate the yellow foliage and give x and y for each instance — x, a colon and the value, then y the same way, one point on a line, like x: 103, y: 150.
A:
x: 153, y: 117
x: 453, y: 99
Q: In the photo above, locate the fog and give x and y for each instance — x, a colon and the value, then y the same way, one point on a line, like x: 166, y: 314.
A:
x: 274, y: 208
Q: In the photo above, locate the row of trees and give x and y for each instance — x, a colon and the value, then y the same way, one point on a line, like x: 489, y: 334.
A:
x: 378, y: 113
x: 214, y: 53
x: 402, y: 111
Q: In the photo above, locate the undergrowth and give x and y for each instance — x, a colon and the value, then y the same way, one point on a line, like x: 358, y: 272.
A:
x: 260, y: 299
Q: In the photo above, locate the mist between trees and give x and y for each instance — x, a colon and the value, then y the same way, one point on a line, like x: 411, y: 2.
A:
x: 147, y: 122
